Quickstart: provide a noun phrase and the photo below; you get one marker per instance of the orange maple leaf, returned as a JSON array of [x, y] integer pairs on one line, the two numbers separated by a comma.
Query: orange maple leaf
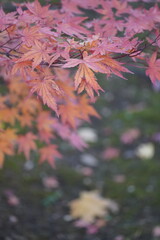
[[38, 53], [7, 140], [86, 109], [22, 67], [49, 153], [45, 126], [5, 148], [9, 115], [1, 159], [26, 143], [85, 79], [47, 89], [25, 120], [69, 113], [29, 106], [9, 135]]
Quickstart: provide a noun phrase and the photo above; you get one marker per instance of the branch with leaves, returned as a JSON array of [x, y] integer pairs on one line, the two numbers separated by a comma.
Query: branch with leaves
[[40, 46]]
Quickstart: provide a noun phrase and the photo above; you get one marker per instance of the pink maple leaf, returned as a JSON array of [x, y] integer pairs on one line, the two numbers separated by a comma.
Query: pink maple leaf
[[77, 141], [153, 70], [36, 9]]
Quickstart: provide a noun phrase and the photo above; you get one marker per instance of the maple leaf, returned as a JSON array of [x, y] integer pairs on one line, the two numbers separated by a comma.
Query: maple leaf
[[69, 113], [49, 153], [86, 109], [9, 135], [91, 205], [21, 67], [26, 120], [30, 34], [34, 38], [29, 106], [36, 9], [37, 53], [26, 143], [9, 115], [98, 63], [65, 132], [45, 126], [62, 130], [85, 78], [77, 141], [6, 19], [5, 148], [67, 89], [46, 89], [88, 60], [1, 159], [71, 26], [109, 66], [17, 89], [153, 70], [7, 140], [45, 121]]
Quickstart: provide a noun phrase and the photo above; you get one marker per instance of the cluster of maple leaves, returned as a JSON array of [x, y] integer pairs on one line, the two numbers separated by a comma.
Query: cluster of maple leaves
[[39, 46]]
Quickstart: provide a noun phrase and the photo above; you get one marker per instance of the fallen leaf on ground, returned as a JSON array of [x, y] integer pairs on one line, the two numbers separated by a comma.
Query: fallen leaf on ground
[[145, 151], [119, 237], [12, 199], [13, 219], [50, 182], [89, 160], [130, 135], [91, 205], [119, 178], [110, 153], [156, 137], [88, 134], [156, 231], [86, 171]]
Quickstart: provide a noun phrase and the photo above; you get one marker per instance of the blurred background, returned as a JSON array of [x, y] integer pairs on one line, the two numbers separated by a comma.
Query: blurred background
[[119, 173]]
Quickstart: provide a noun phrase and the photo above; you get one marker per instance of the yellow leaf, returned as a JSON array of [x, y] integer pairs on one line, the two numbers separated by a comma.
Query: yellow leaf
[[91, 205]]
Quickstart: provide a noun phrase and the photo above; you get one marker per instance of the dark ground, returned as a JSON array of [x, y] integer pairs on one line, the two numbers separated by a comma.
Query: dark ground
[[43, 214]]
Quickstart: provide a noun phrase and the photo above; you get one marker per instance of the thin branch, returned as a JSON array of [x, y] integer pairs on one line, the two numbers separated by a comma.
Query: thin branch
[[138, 51], [7, 54]]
